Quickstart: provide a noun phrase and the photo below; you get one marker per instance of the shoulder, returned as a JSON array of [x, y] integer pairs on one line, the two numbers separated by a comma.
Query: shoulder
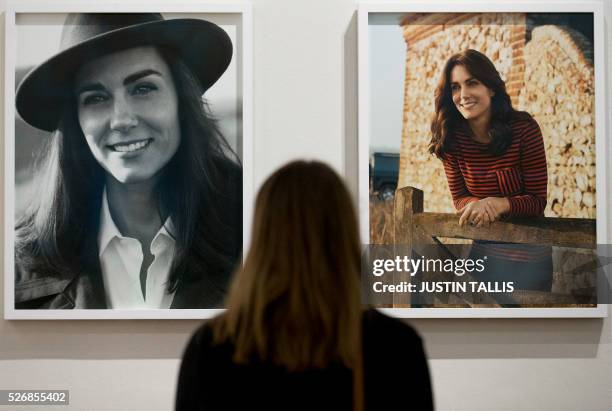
[[522, 123], [394, 362], [449, 157], [202, 343], [202, 337], [40, 285], [197, 345], [204, 359], [452, 144], [228, 168], [37, 289], [227, 179], [379, 327], [459, 142], [204, 376], [29, 272]]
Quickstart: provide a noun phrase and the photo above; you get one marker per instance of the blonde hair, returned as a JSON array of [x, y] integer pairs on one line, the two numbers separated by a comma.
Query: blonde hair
[[296, 301]]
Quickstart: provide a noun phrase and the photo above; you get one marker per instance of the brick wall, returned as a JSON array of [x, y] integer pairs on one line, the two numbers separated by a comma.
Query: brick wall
[[548, 72], [559, 93], [431, 39]]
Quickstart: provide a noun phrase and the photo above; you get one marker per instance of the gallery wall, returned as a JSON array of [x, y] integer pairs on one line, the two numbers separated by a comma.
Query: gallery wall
[[305, 71]]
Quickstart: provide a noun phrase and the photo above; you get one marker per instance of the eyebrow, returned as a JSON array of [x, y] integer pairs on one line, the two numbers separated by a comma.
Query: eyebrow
[[140, 74], [466, 80], [128, 80], [90, 87]]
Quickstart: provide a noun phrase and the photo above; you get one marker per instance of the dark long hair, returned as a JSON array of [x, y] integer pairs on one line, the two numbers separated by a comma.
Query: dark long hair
[[295, 302], [200, 190], [447, 118]]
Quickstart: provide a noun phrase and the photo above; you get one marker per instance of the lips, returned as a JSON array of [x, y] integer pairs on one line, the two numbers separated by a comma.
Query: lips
[[468, 105], [130, 146]]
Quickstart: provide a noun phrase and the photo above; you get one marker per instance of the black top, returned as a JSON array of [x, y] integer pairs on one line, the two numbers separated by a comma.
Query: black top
[[396, 376]]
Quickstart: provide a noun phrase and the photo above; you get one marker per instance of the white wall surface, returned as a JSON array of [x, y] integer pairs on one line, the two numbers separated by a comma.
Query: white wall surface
[[304, 99]]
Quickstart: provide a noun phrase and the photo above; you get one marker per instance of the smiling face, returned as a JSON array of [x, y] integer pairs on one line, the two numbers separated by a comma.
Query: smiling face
[[128, 111], [471, 97]]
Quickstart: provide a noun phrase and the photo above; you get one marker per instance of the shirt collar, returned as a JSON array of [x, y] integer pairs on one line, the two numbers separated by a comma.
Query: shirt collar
[[108, 230]]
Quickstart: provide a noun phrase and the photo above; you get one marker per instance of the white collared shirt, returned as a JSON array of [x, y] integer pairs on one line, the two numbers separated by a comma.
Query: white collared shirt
[[121, 259]]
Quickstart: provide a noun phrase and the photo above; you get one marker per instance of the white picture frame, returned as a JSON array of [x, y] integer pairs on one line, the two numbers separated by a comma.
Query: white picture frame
[[372, 12], [236, 83]]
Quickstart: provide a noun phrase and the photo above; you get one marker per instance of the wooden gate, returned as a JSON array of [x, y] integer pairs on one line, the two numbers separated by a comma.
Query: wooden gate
[[414, 227]]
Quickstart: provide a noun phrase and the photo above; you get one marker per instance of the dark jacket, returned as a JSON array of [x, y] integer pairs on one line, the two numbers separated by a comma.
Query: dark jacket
[[83, 288], [35, 290], [396, 376]]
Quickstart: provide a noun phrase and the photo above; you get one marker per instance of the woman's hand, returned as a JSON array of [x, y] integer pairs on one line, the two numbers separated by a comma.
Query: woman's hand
[[477, 213], [483, 212]]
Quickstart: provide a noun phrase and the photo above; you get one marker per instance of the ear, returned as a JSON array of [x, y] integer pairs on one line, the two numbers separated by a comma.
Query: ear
[[492, 93]]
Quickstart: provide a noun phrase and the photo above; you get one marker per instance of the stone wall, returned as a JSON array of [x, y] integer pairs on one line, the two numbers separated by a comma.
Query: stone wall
[[551, 76], [559, 93], [431, 39]]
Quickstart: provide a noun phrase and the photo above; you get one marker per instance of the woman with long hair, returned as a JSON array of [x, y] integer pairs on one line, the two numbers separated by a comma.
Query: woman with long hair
[[294, 335], [495, 164], [139, 203]]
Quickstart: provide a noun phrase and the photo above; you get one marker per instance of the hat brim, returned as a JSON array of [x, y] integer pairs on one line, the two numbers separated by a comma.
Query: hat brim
[[203, 46]]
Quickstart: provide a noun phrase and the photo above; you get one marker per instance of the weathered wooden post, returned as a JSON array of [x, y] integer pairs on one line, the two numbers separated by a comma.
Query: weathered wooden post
[[408, 203]]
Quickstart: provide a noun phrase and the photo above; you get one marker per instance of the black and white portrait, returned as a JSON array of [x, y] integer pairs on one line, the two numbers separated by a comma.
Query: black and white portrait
[[128, 172]]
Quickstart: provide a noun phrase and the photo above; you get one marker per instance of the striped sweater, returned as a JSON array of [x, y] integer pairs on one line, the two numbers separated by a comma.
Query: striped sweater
[[519, 174]]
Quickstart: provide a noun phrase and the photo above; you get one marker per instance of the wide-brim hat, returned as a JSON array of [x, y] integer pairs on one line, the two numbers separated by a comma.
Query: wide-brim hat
[[203, 46]]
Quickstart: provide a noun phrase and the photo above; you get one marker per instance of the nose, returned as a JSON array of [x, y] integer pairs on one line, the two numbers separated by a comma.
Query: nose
[[123, 117]]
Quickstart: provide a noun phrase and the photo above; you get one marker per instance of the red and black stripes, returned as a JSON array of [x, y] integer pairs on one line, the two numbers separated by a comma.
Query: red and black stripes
[[519, 174]]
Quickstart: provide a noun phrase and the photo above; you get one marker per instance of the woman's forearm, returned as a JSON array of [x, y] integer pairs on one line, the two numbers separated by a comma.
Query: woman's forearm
[[526, 205]]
